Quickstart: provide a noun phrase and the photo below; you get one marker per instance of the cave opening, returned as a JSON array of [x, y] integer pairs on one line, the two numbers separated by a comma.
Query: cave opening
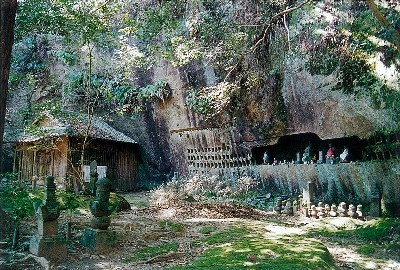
[[288, 146]]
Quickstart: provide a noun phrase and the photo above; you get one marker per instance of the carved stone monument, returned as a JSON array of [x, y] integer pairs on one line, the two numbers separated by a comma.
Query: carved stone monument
[[93, 177], [360, 212], [298, 158], [320, 157], [375, 205], [307, 155], [342, 209], [308, 192], [47, 243], [278, 206], [98, 238], [352, 211]]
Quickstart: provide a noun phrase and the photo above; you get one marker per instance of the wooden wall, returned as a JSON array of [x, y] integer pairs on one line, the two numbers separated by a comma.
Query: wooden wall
[[41, 159], [121, 160], [61, 157]]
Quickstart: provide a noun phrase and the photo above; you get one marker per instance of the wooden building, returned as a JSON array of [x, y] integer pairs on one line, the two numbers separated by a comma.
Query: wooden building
[[63, 146]]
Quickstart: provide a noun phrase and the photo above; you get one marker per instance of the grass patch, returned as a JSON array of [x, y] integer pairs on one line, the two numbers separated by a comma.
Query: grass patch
[[242, 247], [207, 229], [366, 249], [378, 231], [380, 235], [149, 252], [168, 225]]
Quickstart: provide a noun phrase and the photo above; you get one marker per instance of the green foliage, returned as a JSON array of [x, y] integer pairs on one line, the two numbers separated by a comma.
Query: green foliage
[[355, 75], [67, 57], [70, 201], [17, 200], [158, 91], [69, 18], [28, 58], [366, 249], [146, 253], [212, 101]]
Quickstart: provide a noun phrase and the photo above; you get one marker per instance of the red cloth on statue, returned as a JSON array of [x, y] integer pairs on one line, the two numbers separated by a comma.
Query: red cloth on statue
[[330, 152]]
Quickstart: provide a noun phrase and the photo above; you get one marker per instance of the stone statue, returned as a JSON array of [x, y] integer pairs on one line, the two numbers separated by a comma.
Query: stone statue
[[98, 238], [100, 207], [330, 155], [327, 208], [49, 209], [342, 209], [352, 211], [278, 206], [359, 212], [313, 211], [344, 157], [94, 175], [307, 155], [47, 243], [266, 158], [288, 208], [298, 158], [320, 157], [333, 212]]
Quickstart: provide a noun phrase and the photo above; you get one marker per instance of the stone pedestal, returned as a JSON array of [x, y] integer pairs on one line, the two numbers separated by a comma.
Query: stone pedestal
[[298, 158], [375, 206], [308, 192], [47, 243], [46, 228], [320, 157], [99, 241], [53, 248]]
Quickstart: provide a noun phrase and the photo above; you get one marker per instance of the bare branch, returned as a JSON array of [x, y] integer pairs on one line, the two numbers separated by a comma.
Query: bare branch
[[263, 35], [385, 22]]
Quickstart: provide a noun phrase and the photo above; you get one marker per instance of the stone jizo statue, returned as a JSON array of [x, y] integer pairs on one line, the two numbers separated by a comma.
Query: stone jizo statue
[[101, 207], [344, 157], [49, 209], [98, 238], [266, 158], [47, 242], [307, 155]]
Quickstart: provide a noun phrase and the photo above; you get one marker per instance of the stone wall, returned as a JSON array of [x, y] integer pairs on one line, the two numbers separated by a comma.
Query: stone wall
[[350, 182]]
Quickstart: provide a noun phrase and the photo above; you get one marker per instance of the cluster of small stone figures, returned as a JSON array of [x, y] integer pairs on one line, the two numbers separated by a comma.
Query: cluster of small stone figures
[[322, 211], [48, 243], [309, 158], [319, 211]]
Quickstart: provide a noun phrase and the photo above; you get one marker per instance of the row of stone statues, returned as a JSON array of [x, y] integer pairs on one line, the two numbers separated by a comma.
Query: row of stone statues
[[320, 211], [51, 245], [309, 158]]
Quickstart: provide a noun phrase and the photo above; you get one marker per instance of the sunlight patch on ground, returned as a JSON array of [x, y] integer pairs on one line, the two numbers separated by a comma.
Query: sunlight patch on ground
[[281, 230], [200, 220], [167, 213], [108, 266], [349, 256], [337, 223]]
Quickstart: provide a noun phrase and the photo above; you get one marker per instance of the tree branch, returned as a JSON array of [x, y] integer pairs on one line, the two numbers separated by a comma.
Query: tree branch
[[385, 22], [263, 35]]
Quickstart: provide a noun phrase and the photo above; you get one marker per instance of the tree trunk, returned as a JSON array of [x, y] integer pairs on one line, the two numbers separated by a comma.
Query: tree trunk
[[7, 21], [384, 21], [15, 236]]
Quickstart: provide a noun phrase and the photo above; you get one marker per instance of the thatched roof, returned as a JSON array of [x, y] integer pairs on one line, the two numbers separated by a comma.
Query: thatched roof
[[72, 124]]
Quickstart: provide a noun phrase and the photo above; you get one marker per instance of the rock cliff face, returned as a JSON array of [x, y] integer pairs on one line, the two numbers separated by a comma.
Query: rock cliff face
[[284, 98], [174, 138]]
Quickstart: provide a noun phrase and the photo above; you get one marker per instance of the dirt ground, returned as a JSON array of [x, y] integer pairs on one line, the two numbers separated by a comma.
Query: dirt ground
[[144, 226]]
